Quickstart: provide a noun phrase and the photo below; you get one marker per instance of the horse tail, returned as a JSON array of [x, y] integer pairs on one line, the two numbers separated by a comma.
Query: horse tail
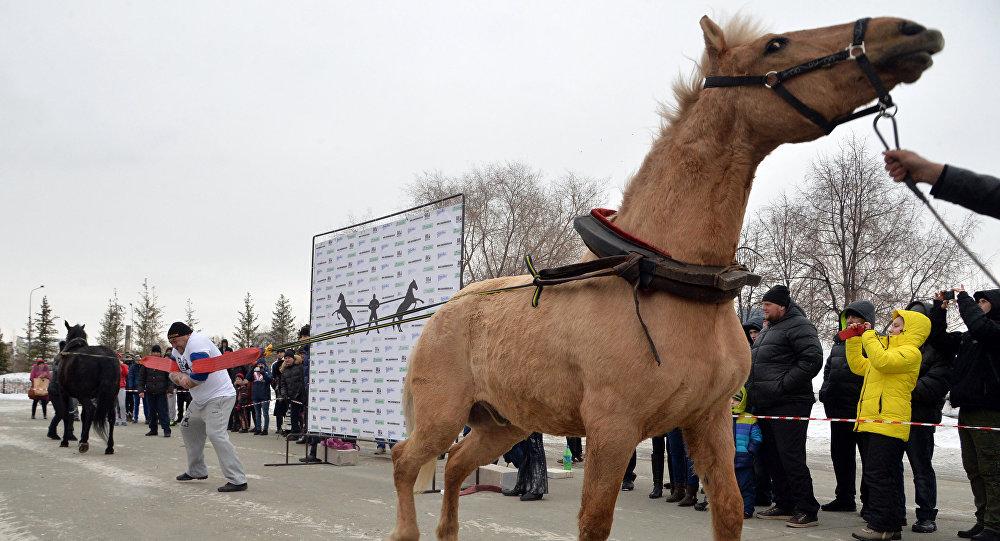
[[426, 473], [107, 397]]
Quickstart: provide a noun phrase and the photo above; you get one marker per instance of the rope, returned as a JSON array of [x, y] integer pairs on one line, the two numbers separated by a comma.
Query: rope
[[883, 112], [876, 421]]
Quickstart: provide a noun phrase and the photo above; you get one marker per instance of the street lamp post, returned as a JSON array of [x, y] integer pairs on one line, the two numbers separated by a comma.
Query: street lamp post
[[27, 353]]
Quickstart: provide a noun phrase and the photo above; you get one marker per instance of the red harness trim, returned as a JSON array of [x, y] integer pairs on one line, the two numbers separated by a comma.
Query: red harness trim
[[602, 216]]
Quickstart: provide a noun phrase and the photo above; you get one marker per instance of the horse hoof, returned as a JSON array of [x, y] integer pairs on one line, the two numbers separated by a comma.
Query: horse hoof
[[109, 451], [84, 447], [64, 444]]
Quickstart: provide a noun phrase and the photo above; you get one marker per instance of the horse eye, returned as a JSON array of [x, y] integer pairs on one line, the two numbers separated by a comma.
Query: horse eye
[[775, 45]]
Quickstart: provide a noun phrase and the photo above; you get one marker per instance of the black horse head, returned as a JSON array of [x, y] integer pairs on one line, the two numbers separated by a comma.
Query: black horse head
[[75, 332]]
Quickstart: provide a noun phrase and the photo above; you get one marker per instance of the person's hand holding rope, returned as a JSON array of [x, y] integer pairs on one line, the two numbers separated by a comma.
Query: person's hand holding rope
[[900, 162]]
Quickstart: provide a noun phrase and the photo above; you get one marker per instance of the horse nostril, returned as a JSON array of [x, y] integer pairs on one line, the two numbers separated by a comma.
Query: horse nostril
[[909, 28]]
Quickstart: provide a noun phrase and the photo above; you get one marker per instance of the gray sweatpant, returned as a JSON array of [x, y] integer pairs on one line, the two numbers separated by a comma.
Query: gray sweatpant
[[211, 419]]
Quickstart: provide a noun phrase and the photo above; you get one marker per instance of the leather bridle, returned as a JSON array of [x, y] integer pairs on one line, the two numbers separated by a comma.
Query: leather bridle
[[774, 79]]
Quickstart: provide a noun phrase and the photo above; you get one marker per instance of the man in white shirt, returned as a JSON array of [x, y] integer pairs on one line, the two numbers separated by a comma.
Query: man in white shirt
[[212, 399]]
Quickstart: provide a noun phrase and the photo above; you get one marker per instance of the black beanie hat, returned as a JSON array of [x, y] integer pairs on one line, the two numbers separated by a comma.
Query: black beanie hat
[[304, 331], [778, 295], [155, 349], [289, 352], [178, 329]]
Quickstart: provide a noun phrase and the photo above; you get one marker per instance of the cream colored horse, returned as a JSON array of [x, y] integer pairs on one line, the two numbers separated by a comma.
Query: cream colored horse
[[579, 364]]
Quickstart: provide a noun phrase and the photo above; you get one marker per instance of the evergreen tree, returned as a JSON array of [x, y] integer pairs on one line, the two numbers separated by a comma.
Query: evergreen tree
[[189, 318], [45, 345], [246, 329], [5, 355], [282, 322], [149, 318], [112, 333]]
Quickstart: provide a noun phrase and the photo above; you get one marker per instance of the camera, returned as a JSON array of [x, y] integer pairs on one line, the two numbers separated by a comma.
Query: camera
[[948, 295]]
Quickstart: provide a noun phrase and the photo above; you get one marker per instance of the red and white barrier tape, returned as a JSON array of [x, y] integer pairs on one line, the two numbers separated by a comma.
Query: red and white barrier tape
[[831, 419]]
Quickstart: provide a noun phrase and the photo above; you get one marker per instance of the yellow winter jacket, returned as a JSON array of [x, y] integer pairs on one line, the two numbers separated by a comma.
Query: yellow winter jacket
[[890, 370]]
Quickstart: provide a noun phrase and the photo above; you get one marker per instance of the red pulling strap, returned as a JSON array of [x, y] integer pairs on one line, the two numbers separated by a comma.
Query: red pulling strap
[[602, 216], [231, 359]]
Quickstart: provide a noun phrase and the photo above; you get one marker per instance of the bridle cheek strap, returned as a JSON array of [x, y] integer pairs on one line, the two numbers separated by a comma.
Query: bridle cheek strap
[[774, 79]]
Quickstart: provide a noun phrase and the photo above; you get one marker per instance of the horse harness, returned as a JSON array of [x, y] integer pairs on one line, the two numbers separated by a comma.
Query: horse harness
[[644, 266], [774, 79]]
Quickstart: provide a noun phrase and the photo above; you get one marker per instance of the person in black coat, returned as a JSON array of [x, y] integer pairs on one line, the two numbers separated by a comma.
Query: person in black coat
[[975, 389], [840, 393], [927, 400], [978, 193], [785, 358], [59, 414], [154, 386], [532, 475]]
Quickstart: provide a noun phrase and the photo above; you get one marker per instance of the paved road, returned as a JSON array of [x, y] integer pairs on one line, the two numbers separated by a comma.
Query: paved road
[[47, 492]]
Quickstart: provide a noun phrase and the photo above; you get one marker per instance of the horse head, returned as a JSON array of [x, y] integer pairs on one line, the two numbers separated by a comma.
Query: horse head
[[898, 51], [75, 332], [341, 300], [412, 287]]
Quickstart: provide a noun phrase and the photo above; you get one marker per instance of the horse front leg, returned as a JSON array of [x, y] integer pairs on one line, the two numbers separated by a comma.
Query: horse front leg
[[609, 448], [110, 449], [710, 443]]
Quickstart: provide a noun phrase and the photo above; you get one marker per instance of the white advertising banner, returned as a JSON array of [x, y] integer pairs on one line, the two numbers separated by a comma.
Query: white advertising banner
[[361, 274]]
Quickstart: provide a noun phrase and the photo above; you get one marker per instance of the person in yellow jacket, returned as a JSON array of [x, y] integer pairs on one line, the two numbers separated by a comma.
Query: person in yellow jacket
[[890, 366]]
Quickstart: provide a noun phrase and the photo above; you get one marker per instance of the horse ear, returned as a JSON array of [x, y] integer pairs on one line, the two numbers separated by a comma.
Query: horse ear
[[715, 42], [66, 323]]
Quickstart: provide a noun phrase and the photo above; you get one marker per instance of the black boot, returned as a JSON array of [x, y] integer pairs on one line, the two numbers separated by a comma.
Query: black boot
[[657, 480]]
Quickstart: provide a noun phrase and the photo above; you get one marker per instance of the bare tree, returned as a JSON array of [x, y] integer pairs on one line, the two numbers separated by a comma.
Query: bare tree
[[510, 212], [851, 233]]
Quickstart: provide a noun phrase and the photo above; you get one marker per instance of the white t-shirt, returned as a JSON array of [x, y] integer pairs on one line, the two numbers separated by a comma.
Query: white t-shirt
[[218, 383]]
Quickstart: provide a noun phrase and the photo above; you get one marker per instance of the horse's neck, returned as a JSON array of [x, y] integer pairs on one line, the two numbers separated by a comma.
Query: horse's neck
[[690, 194]]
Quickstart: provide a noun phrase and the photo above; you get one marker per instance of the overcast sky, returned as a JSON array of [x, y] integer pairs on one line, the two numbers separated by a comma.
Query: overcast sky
[[202, 144]]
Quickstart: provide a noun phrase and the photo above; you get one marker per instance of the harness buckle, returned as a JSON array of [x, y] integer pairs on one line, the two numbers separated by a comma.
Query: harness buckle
[[855, 46], [767, 79]]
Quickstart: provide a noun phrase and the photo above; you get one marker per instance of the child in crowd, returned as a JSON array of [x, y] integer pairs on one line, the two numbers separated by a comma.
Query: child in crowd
[[890, 366], [747, 436], [242, 404]]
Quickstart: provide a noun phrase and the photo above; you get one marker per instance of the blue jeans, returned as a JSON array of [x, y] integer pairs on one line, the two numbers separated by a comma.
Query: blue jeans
[[261, 409], [682, 465]]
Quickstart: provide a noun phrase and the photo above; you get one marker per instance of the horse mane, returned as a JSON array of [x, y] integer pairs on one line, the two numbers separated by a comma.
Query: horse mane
[[739, 29]]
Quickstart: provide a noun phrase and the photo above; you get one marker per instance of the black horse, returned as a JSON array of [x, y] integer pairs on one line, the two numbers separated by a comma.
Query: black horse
[[409, 301], [91, 374]]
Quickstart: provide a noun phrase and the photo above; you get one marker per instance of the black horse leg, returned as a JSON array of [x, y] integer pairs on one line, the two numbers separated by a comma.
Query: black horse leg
[[110, 449], [66, 400], [88, 417]]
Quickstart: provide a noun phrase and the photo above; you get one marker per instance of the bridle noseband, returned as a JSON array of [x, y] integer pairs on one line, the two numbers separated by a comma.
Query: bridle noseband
[[774, 79]]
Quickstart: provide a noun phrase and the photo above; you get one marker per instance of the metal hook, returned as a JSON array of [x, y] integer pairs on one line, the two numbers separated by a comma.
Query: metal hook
[[895, 130]]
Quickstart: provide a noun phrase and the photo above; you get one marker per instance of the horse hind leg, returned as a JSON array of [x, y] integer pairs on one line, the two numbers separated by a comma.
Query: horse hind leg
[[710, 444], [110, 449], [432, 433], [483, 445], [87, 418]]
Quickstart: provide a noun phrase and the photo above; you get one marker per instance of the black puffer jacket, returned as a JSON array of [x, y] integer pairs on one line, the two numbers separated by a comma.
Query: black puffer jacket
[[841, 389], [784, 359], [976, 377], [293, 381], [980, 193], [934, 380], [154, 381]]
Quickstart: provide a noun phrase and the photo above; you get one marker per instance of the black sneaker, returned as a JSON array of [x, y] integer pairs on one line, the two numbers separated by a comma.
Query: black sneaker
[[975, 530], [166, 434], [924, 526], [151, 433], [802, 520], [776, 513], [229, 487], [628, 485], [839, 506], [185, 477], [309, 459]]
